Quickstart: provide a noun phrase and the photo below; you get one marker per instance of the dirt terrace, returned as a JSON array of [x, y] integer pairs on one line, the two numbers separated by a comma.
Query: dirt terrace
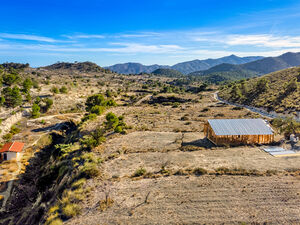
[[198, 200]]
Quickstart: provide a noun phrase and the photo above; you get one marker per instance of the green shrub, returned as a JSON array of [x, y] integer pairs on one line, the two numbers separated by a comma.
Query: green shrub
[[89, 170], [112, 121], [56, 221], [139, 172], [94, 100], [71, 210], [118, 129], [87, 117], [97, 109], [14, 130], [35, 111], [79, 183], [63, 90], [7, 137], [55, 90]]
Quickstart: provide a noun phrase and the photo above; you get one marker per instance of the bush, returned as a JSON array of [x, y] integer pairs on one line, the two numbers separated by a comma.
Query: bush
[[71, 210], [56, 221], [97, 109], [63, 90], [89, 170], [94, 100], [35, 110], [55, 90], [87, 117], [14, 130], [112, 121], [139, 172], [7, 137]]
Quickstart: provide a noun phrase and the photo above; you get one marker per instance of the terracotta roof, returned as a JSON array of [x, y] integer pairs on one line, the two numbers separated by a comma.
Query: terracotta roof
[[12, 147]]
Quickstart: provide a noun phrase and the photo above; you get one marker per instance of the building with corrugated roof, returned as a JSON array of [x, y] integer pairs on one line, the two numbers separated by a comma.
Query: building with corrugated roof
[[11, 150], [238, 131]]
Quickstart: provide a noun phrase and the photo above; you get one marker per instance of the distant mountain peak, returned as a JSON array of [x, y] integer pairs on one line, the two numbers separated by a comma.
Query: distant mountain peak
[[183, 67]]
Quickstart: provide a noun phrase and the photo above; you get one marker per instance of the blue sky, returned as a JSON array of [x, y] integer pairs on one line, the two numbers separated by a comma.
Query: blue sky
[[163, 32]]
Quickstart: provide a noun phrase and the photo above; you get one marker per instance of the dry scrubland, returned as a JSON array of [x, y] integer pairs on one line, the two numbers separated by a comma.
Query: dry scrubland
[[163, 171]]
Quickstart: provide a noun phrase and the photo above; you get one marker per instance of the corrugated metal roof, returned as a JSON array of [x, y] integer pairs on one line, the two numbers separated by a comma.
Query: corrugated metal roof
[[240, 127]]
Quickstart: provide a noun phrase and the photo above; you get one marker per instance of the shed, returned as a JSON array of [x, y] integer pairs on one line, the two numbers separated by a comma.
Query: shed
[[238, 131], [11, 150]]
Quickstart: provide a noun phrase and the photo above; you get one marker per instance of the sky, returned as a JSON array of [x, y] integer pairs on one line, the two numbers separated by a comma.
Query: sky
[[165, 32]]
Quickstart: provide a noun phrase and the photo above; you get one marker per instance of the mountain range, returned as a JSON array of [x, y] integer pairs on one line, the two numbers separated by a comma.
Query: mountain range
[[184, 67], [251, 69]]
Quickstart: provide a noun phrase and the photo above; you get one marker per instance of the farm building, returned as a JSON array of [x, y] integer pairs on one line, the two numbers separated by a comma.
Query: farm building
[[11, 150], [238, 131]]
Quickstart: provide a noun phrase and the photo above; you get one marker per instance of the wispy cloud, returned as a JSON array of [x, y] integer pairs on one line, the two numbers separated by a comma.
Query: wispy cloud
[[138, 35], [85, 36], [27, 37], [121, 48], [265, 40]]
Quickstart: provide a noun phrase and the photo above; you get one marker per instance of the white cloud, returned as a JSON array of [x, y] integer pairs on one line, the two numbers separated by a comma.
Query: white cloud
[[27, 37], [264, 40], [86, 36], [126, 48]]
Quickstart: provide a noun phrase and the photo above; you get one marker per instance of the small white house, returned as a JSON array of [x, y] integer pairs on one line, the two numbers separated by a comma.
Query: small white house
[[11, 150]]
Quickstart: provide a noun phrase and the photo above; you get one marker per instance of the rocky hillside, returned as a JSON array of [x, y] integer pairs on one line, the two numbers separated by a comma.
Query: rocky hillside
[[224, 72], [134, 68], [78, 66], [167, 72], [278, 91], [230, 72], [271, 64], [184, 67], [196, 65]]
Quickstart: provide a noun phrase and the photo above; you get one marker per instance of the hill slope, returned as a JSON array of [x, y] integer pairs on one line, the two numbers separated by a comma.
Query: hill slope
[[278, 91], [196, 65], [184, 67], [80, 66], [134, 68], [230, 72], [167, 72], [271, 64], [224, 72]]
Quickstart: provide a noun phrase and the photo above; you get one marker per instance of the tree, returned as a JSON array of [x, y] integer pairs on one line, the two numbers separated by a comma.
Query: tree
[[286, 126], [112, 121], [27, 85], [97, 109], [12, 96], [262, 85], [28, 97], [10, 78], [49, 103], [35, 110], [291, 86], [94, 100], [236, 93]]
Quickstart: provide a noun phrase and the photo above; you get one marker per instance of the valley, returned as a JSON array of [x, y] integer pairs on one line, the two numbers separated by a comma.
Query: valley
[[148, 162]]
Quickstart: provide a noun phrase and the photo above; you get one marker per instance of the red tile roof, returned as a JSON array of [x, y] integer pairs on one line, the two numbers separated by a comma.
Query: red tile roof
[[12, 147]]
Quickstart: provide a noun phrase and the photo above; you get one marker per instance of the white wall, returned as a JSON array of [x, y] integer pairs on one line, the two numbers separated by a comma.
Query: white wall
[[12, 155]]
